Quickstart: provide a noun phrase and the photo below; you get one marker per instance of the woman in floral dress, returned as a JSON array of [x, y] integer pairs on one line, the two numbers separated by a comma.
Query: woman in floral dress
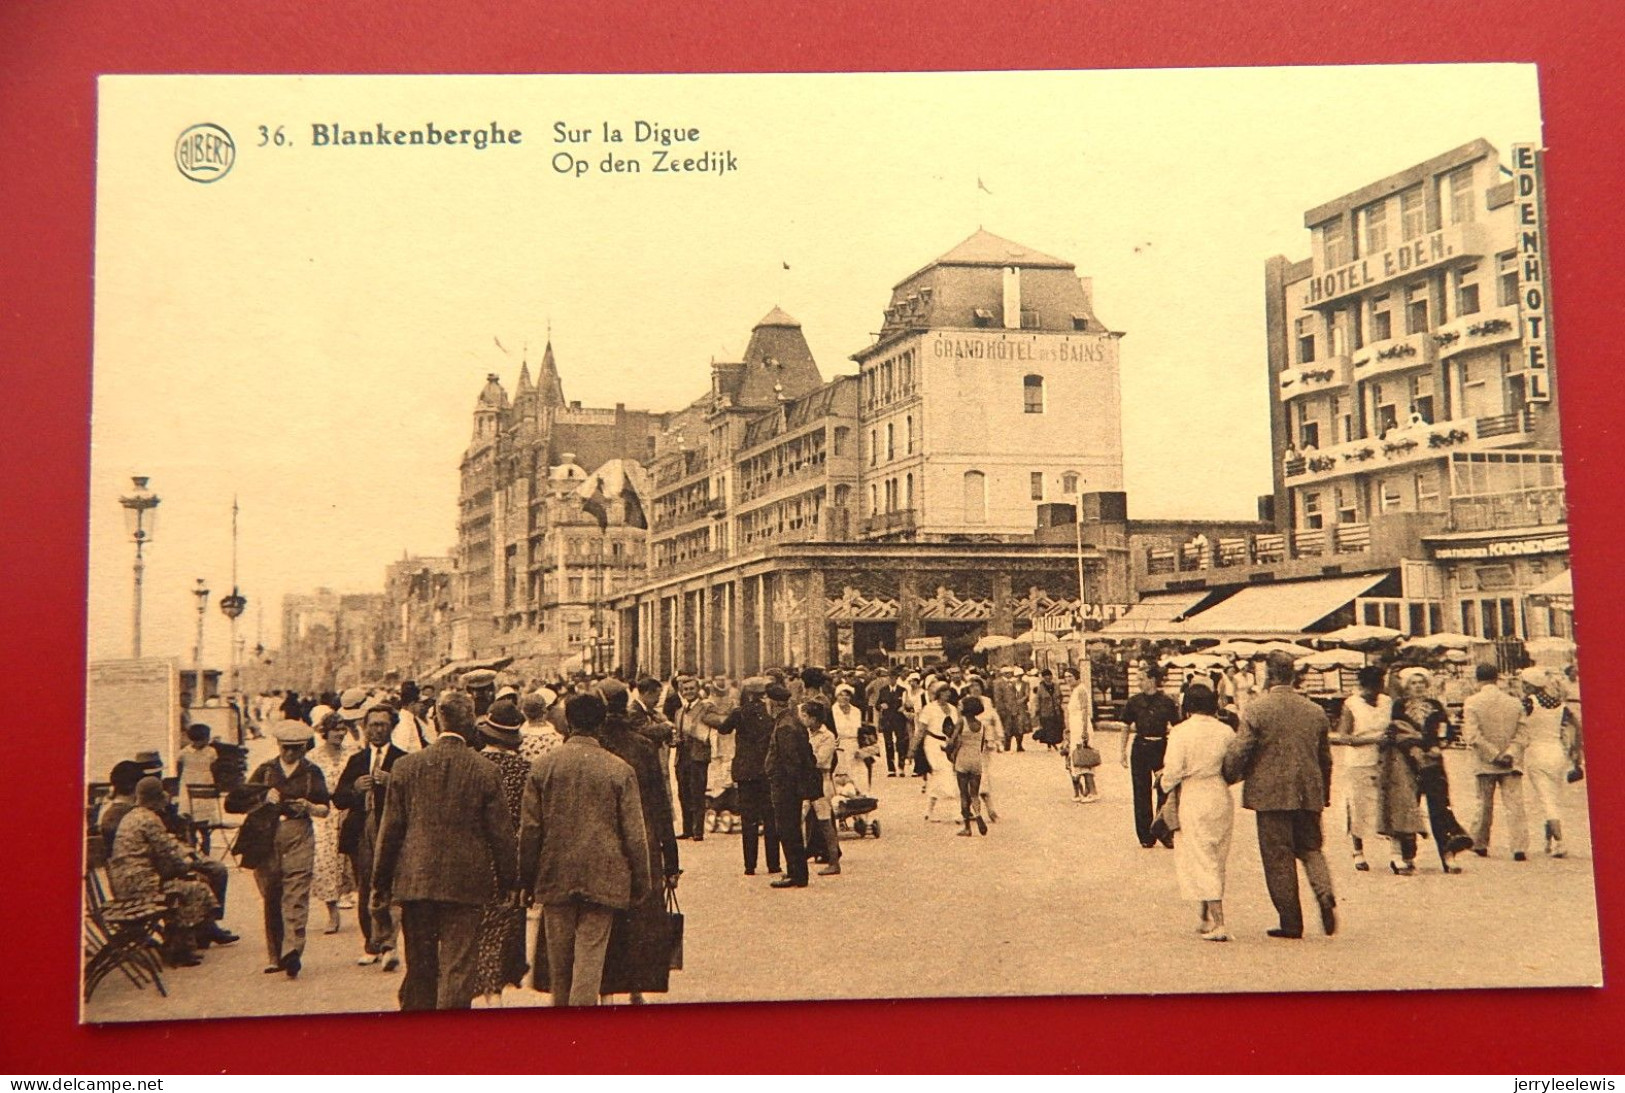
[[328, 875], [500, 959]]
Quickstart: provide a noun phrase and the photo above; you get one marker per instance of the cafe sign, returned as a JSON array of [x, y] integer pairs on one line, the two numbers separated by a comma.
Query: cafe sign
[[1504, 548]]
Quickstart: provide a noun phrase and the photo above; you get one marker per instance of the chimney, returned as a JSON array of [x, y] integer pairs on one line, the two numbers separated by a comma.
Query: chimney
[[1012, 298]]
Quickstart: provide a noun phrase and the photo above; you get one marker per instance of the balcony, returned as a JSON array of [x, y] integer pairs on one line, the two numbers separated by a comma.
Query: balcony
[[1309, 379], [1476, 331], [1397, 447], [1504, 430], [1395, 355], [887, 523]]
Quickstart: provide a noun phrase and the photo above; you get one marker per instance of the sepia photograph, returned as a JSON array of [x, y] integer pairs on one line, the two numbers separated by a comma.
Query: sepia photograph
[[560, 541]]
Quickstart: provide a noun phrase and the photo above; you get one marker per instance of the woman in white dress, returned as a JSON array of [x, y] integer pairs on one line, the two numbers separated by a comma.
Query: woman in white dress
[[1193, 763], [931, 730], [1553, 750], [1361, 729], [848, 720], [328, 874]]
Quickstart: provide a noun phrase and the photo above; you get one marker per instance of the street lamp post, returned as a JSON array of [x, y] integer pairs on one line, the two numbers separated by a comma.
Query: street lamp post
[[202, 594], [141, 517], [232, 606]]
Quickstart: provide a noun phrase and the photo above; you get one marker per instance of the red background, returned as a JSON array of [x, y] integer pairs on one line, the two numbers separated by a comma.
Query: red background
[[50, 54]]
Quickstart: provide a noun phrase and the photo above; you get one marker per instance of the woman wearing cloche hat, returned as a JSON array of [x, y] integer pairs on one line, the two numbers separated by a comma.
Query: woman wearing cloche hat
[[500, 944]]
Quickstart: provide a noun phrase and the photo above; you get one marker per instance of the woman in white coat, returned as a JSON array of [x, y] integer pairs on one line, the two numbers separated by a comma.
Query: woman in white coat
[[1194, 764], [931, 730]]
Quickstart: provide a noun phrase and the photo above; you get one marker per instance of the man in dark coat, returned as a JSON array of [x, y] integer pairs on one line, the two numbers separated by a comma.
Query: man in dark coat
[[1284, 754], [752, 727], [886, 699], [793, 778], [638, 955], [361, 790], [446, 829]]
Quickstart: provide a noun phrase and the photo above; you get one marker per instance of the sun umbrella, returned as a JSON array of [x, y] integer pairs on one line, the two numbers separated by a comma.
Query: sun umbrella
[[1286, 647], [1327, 659], [1243, 649], [1548, 645], [1196, 660], [993, 641], [1360, 637], [1440, 641]]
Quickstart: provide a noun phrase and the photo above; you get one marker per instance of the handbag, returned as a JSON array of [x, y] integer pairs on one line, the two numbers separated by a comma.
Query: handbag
[[674, 920], [256, 838], [1085, 757]]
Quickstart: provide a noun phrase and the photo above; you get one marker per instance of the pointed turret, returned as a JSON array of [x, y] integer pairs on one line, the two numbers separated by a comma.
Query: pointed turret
[[525, 384], [549, 385]]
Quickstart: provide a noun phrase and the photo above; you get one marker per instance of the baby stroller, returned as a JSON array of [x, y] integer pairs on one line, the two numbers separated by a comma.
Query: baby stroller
[[852, 809], [722, 810]]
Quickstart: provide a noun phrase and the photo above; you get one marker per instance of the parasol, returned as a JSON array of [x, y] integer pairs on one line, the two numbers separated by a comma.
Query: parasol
[[1365, 638], [1440, 641]]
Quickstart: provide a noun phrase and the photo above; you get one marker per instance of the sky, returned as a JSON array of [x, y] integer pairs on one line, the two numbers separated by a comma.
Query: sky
[[308, 333]]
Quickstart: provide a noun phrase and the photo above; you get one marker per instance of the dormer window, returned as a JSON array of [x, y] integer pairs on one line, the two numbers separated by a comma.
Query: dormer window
[[1080, 322], [983, 317]]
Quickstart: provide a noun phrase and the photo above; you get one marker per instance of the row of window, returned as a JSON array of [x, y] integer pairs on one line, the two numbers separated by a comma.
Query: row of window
[[1361, 323], [1371, 234]]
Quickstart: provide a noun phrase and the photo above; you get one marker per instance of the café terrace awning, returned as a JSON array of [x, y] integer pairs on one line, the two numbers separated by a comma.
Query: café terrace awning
[[1155, 615], [1559, 591], [1290, 607], [457, 667]]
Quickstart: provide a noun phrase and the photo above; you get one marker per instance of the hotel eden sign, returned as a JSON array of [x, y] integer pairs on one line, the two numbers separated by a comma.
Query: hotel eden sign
[[1417, 254]]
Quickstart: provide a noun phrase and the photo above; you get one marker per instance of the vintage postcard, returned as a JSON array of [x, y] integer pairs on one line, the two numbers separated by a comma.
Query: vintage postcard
[[575, 540]]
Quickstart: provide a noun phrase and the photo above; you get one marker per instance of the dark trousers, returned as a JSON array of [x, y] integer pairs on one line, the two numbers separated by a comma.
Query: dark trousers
[[441, 941], [1144, 760], [1285, 838], [691, 794], [970, 793], [214, 874], [377, 925], [756, 812], [787, 806], [896, 738], [1435, 790]]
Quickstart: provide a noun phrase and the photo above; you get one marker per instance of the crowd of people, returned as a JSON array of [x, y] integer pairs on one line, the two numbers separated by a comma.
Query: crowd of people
[[447, 820]]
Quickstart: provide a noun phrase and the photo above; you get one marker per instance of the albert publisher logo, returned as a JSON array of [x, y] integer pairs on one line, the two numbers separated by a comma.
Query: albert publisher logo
[[205, 153]]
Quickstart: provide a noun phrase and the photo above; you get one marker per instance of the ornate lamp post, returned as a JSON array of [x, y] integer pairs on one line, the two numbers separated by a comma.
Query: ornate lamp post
[[232, 606], [202, 594], [141, 518]]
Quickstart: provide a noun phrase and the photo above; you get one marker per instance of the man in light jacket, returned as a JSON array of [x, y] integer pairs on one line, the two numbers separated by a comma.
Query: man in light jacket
[[583, 851], [1493, 730], [1284, 753]]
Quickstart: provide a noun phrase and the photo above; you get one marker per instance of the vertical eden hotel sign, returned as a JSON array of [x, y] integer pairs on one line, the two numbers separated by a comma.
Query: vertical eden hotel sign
[[1531, 229]]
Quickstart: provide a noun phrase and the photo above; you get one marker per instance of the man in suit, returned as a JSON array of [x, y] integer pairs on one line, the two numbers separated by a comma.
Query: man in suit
[[445, 830], [361, 790], [1284, 753], [792, 778], [1493, 730], [583, 850], [693, 758], [886, 699], [752, 727]]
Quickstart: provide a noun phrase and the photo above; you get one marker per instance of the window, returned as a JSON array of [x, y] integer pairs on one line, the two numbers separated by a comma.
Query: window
[[874, 501], [1032, 394], [575, 588], [1080, 322], [1416, 309], [908, 492], [1382, 323], [1507, 279], [1069, 483], [1334, 242], [1412, 213], [1029, 319], [1037, 481], [1376, 228], [1334, 406], [1347, 512], [842, 436], [1427, 491], [891, 442], [1422, 397], [1467, 290], [874, 447], [1458, 186], [982, 317], [1306, 340], [891, 495], [975, 497], [1312, 516], [1388, 496], [1309, 435], [1336, 335]]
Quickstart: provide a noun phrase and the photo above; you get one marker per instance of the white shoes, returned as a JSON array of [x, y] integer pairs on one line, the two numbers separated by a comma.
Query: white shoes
[[1088, 798]]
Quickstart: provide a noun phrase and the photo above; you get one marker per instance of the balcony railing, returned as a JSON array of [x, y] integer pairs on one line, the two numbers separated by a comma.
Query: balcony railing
[[1266, 548], [1269, 548], [1520, 421], [1396, 354], [1353, 538], [884, 522], [1477, 330], [1308, 379], [1308, 542]]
